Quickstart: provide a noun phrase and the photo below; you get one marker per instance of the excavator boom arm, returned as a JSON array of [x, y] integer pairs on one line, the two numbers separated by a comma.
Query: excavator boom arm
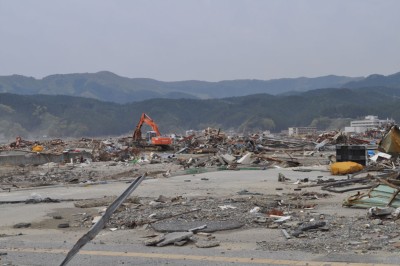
[[137, 134]]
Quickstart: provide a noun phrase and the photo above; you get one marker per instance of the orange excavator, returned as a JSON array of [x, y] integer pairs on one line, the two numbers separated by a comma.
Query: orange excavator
[[152, 137]]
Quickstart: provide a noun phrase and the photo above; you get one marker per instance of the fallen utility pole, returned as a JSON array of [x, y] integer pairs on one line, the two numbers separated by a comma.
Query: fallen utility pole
[[97, 227]]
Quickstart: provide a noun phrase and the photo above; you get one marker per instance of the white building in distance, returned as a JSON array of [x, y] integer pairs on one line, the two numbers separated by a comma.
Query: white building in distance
[[370, 122], [302, 131]]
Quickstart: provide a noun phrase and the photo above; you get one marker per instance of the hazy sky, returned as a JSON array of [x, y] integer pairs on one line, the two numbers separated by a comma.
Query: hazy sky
[[204, 40]]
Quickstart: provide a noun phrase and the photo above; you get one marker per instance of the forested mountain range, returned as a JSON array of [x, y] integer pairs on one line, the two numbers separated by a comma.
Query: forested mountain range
[[390, 81], [63, 116], [107, 86]]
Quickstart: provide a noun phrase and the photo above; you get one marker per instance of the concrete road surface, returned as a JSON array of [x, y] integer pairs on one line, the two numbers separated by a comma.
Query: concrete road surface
[[46, 245]]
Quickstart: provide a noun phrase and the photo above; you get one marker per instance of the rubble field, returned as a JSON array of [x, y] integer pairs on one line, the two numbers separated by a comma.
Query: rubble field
[[317, 211]]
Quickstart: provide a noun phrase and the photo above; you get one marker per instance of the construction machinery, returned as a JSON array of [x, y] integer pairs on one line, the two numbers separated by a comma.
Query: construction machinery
[[152, 137]]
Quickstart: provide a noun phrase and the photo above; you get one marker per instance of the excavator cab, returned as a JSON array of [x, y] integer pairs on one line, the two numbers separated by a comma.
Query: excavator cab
[[150, 135]]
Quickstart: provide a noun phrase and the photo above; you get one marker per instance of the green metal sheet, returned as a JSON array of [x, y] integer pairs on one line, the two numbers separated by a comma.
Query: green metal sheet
[[379, 196]]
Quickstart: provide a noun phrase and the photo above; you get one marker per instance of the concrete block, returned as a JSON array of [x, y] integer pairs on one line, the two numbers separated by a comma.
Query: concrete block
[[246, 159], [174, 237]]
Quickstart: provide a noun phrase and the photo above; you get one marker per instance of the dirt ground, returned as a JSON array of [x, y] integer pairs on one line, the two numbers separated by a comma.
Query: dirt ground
[[249, 197]]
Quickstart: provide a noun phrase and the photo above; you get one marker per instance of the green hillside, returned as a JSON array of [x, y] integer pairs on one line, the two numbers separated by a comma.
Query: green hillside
[[63, 116]]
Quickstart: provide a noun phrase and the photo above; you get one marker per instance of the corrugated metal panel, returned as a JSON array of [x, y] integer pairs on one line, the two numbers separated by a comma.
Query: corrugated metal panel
[[379, 196]]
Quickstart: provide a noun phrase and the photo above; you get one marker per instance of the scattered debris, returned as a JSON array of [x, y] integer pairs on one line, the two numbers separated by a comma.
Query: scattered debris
[[40, 200], [390, 141], [154, 240], [198, 228], [308, 226], [22, 225], [63, 225], [255, 210], [97, 227], [377, 212], [171, 238], [207, 243], [185, 220], [286, 234], [382, 195]]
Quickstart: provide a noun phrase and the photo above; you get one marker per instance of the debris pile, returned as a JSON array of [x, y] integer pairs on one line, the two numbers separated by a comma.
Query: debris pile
[[295, 217], [181, 214], [219, 149]]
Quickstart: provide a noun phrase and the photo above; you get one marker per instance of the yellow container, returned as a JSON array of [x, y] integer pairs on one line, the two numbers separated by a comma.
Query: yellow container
[[37, 148], [344, 168]]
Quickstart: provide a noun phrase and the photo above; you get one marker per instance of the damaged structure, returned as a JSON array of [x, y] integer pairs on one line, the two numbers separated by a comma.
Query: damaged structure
[[303, 191]]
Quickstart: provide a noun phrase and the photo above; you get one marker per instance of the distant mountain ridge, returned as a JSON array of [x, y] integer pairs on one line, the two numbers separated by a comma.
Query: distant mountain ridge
[[107, 86], [69, 116], [390, 81]]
